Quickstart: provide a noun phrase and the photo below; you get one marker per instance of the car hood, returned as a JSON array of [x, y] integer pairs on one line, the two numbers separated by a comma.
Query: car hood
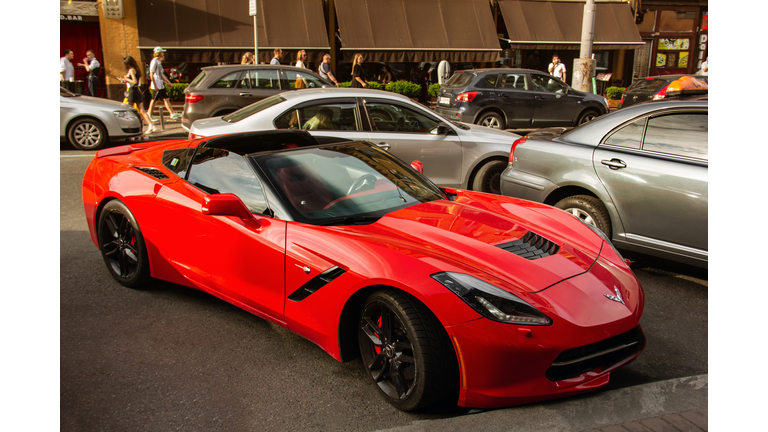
[[468, 233], [94, 102]]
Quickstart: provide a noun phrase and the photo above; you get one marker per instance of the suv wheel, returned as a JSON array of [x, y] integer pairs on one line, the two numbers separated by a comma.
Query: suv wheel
[[491, 120]]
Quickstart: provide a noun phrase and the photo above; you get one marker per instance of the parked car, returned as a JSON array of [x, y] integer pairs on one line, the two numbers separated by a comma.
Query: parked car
[[454, 154], [516, 98], [662, 87], [639, 174], [220, 90], [88, 123], [448, 296]]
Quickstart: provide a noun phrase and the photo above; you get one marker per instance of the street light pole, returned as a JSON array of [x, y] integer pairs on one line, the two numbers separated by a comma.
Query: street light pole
[[252, 6], [584, 66]]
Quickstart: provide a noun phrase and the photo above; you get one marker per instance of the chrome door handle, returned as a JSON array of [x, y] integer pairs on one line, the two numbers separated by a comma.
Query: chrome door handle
[[614, 164], [383, 145], [245, 94]]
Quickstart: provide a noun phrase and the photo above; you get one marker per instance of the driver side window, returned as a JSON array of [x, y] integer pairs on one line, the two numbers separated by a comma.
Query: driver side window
[[387, 117], [547, 83]]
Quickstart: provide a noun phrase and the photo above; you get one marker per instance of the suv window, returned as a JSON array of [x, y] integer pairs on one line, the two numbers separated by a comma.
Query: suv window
[[229, 81], [261, 79], [197, 79], [387, 117], [217, 171], [323, 116], [546, 83], [513, 82], [459, 79], [683, 134], [299, 80]]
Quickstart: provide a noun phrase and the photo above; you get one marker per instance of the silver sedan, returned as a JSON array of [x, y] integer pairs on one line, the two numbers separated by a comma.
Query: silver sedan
[[639, 174], [453, 154], [88, 122]]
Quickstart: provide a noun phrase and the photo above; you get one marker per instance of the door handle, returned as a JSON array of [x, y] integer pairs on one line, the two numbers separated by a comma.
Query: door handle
[[245, 94], [383, 145], [614, 164]]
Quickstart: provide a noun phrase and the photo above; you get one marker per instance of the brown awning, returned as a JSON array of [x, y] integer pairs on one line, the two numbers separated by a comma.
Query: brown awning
[[222, 30], [557, 25], [418, 30]]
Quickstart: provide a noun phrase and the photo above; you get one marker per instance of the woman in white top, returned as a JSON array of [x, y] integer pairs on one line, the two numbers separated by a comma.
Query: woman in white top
[[300, 57]]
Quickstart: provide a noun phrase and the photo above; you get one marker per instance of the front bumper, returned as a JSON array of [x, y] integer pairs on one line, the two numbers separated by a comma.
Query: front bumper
[[591, 336]]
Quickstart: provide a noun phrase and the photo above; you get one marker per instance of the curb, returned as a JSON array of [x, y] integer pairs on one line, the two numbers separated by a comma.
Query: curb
[[587, 412]]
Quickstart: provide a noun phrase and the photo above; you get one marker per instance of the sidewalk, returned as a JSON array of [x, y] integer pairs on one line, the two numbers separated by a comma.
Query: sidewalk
[[171, 129], [666, 406]]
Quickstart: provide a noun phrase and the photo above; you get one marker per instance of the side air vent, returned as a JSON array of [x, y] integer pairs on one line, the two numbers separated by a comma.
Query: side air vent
[[532, 246], [154, 172]]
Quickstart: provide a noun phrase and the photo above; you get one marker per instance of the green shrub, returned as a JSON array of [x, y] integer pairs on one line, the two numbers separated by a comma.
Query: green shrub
[[433, 89], [406, 88], [346, 84], [614, 92], [371, 85]]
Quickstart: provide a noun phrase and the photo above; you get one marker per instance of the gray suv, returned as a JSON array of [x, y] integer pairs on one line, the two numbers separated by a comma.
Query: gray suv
[[220, 90], [639, 174]]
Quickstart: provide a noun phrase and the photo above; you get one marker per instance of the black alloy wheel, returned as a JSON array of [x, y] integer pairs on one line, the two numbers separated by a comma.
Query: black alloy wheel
[[406, 351], [488, 177], [122, 245]]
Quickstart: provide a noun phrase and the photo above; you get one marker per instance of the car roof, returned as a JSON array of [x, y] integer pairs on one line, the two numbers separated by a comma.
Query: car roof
[[330, 92], [670, 77], [252, 66], [499, 70]]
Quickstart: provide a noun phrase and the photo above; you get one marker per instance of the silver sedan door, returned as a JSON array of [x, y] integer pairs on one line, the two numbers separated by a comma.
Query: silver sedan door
[[410, 133], [656, 172]]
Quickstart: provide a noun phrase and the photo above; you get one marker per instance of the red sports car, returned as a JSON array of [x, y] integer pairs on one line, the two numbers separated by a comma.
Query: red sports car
[[447, 295]]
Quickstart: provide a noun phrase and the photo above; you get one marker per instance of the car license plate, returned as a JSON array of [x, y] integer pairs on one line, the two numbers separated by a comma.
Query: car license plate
[[445, 101]]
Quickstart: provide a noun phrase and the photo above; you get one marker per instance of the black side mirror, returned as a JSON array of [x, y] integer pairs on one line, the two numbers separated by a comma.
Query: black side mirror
[[443, 129]]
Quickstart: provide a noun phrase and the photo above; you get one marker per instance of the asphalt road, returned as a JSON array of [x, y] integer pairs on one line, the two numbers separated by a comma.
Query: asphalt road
[[170, 358]]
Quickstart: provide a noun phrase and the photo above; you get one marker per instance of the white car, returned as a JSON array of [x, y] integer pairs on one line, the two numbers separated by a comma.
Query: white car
[[453, 154], [89, 123]]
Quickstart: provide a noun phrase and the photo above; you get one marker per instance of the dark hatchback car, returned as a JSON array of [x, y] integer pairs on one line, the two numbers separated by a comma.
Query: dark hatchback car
[[657, 88], [220, 90], [516, 98]]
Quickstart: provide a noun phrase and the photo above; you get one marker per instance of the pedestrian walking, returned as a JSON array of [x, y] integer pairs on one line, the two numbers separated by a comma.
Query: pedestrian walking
[[278, 55], [66, 70], [325, 70], [423, 80], [443, 72], [248, 58], [557, 69], [301, 56], [133, 95], [91, 66], [358, 73], [158, 81]]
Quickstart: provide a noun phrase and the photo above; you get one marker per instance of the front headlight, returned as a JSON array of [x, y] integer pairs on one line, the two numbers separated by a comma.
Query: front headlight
[[124, 114], [490, 301]]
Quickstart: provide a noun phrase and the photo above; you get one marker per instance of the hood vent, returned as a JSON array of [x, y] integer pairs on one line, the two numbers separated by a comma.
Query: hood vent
[[531, 246], [154, 172]]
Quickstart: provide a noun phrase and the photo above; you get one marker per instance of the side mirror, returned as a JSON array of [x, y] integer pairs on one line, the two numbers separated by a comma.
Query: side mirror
[[443, 129], [418, 166], [226, 204]]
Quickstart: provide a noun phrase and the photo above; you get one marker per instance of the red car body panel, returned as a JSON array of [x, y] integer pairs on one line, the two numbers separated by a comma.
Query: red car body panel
[[258, 264]]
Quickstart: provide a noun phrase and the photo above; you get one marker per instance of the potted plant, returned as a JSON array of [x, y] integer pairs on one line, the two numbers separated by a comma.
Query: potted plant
[[403, 87], [614, 95]]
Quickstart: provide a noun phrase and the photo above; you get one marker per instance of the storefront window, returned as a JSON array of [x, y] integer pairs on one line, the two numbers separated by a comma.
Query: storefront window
[[649, 19], [673, 21]]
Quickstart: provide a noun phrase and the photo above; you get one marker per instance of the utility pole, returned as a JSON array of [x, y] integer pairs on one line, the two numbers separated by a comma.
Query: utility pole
[[584, 66], [252, 11]]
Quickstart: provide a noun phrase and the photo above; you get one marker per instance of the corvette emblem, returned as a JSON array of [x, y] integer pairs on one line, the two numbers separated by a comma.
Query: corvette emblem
[[617, 297]]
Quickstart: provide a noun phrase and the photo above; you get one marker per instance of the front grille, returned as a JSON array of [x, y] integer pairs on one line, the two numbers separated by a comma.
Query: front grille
[[154, 172], [531, 246], [576, 361]]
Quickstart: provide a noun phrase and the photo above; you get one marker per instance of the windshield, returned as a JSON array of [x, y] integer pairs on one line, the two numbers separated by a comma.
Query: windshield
[[66, 93], [344, 184], [253, 109]]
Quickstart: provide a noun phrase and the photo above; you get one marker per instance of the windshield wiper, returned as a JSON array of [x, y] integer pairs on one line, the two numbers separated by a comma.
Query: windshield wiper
[[350, 220]]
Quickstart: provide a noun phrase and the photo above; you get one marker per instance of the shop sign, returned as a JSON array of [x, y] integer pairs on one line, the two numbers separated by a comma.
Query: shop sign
[[70, 18]]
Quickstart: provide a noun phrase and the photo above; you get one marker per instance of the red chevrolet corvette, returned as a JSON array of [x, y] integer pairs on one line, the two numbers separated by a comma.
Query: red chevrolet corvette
[[447, 295]]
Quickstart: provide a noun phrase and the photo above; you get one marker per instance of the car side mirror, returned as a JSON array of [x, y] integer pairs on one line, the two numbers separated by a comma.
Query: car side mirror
[[418, 166], [443, 129], [226, 204]]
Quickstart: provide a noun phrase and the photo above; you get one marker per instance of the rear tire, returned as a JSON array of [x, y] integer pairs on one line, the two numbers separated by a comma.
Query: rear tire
[[488, 177], [406, 351], [491, 120], [589, 209]]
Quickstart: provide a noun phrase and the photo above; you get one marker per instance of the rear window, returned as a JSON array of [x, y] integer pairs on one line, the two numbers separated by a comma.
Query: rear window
[[459, 79], [197, 79], [648, 85], [253, 109]]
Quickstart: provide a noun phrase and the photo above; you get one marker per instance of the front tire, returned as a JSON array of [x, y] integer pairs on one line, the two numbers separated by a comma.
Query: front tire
[[87, 134], [122, 245], [488, 177], [491, 120], [587, 116], [589, 209], [406, 351]]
